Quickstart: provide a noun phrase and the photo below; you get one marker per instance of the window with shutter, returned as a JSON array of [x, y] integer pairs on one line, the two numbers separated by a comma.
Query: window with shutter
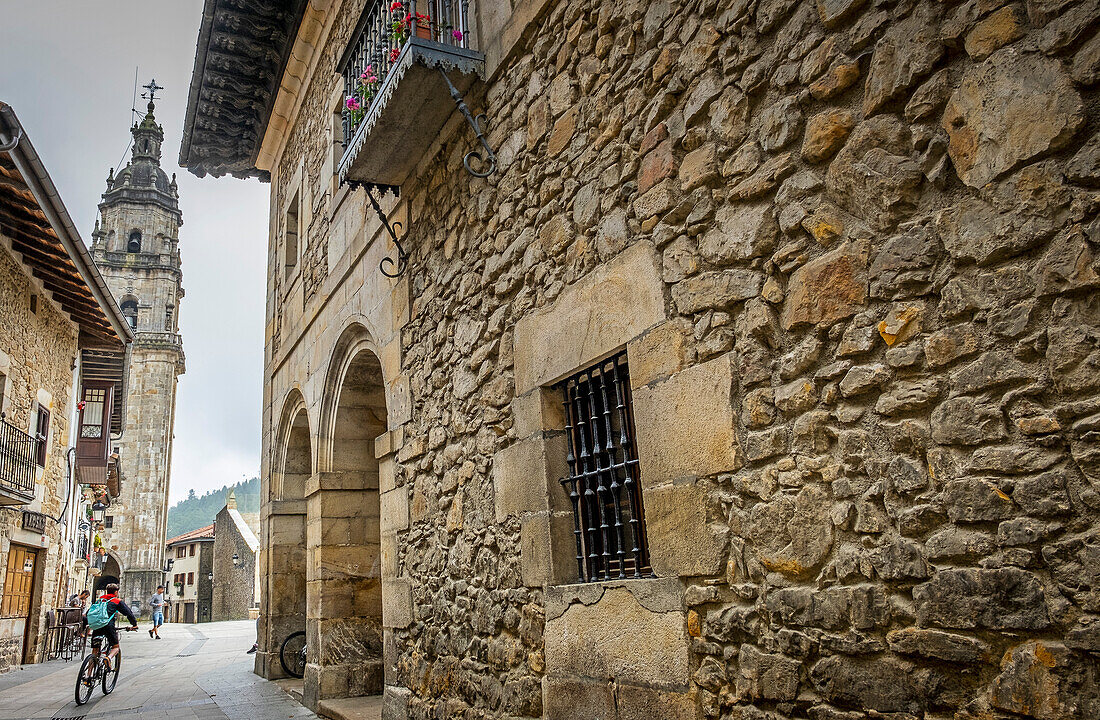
[[42, 435]]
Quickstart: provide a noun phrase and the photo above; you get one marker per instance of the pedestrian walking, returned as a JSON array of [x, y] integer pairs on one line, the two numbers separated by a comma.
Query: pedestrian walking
[[157, 603]]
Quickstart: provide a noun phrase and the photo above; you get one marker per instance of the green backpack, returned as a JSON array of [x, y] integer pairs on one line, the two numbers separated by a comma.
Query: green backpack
[[99, 615]]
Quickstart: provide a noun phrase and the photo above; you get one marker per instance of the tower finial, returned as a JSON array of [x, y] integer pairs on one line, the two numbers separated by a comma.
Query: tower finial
[[151, 92]]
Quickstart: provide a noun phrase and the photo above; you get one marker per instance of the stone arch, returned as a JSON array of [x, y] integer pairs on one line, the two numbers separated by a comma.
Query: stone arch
[[293, 462], [283, 555], [111, 572], [344, 627]]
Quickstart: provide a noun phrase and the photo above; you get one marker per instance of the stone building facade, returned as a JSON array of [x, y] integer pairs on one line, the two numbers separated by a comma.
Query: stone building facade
[[136, 246], [55, 314], [849, 249], [235, 566]]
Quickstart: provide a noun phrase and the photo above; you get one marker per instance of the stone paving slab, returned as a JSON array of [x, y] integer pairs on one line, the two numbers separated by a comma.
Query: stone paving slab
[[197, 672]]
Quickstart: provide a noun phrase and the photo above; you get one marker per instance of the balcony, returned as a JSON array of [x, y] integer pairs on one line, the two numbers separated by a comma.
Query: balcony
[[18, 466], [406, 66]]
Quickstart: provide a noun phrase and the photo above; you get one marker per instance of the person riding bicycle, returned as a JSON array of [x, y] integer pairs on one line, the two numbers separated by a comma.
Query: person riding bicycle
[[115, 606]]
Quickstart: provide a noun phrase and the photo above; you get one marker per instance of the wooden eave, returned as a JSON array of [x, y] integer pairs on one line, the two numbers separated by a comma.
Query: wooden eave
[[41, 234], [242, 52]]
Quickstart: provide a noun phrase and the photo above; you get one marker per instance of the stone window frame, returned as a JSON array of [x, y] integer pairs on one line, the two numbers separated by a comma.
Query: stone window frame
[[683, 416]]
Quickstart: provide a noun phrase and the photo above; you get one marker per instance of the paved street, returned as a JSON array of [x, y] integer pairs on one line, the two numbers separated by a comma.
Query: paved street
[[195, 672]]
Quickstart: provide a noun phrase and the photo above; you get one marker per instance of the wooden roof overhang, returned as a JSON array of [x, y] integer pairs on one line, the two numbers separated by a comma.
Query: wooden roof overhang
[[42, 234], [241, 54]]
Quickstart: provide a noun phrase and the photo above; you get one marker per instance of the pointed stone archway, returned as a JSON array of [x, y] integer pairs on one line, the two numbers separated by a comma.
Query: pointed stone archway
[[283, 554], [344, 587]]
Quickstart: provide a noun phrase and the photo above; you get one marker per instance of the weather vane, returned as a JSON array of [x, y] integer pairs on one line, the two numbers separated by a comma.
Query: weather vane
[[152, 89]]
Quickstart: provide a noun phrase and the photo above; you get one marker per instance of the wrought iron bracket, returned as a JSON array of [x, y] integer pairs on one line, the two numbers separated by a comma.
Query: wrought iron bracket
[[402, 262], [489, 159]]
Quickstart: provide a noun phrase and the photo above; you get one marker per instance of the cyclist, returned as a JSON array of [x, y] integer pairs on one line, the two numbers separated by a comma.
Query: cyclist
[[115, 606]]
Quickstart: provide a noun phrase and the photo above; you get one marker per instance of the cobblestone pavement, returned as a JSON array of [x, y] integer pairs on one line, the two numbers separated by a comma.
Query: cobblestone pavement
[[197, 672]]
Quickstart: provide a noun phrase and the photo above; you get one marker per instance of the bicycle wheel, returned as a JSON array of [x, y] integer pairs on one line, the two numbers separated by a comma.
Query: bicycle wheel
[[110, 677], [85, 679], [291, 655]]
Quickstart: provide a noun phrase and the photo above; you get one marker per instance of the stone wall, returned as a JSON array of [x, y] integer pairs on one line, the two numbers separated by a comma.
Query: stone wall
[[849, 247], [234, 584]]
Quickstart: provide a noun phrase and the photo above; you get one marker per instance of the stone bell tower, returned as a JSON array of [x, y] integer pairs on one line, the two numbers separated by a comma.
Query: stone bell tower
[[136, 246]]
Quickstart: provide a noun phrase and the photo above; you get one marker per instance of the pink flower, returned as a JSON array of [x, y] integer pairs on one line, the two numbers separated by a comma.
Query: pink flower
[[353, 103], [368, 69], [457, 35]]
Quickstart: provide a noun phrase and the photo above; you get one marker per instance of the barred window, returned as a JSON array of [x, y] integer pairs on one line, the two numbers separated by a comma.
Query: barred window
[[603, 485]]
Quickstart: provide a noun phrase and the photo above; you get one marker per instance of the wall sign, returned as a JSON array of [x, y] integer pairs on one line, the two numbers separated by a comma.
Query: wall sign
[[35, 522]]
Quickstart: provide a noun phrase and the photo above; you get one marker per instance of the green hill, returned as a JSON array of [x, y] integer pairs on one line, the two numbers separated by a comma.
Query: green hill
[[199, 510]]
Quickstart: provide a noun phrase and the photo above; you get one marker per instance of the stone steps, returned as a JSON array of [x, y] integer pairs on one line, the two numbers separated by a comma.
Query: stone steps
[[357, 708]]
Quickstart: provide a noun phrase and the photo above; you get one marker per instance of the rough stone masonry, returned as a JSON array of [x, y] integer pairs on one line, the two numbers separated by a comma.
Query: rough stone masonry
[[850, 247], [883, 214]]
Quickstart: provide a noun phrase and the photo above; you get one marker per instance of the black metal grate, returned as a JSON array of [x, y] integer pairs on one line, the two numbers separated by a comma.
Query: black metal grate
[[19, 453], [603, 486]]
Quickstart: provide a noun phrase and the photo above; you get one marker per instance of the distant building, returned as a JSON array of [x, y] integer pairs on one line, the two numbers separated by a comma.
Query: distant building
[[191, 560], [235, 546], [62, 360], [136, 247]]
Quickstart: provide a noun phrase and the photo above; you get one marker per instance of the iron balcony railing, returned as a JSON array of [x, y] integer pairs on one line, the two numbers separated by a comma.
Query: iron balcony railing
[[18, 455], [383, 30]]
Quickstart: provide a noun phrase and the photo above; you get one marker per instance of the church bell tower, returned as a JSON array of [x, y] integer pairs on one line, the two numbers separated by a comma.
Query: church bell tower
[[136, 246]]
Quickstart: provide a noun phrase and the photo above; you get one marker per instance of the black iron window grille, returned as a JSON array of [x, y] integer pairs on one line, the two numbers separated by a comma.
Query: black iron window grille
[[603, 485], [19, 453], [376, 44]]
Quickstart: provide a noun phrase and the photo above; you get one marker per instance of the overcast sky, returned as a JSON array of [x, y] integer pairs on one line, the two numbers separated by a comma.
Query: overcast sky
[[67, 67]]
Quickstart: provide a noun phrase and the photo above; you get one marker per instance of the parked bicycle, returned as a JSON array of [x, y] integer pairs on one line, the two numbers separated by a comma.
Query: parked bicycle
[[95, 669], [292, 654]]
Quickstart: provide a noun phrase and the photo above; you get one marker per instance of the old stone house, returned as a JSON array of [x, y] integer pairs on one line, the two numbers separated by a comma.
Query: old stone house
[[235, 591], [190, 586], [748, 370], [62, 362]]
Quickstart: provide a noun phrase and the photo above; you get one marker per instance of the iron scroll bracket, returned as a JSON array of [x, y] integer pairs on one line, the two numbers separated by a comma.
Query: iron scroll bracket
[[393, 229], [489, 159]]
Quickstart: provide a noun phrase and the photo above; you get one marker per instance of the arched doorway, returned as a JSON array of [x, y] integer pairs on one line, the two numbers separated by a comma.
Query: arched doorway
[[343, 530], [283, 558], [109, 573]]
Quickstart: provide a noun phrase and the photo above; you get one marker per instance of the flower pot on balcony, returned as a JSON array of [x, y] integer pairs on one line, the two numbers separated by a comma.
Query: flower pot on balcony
[[423, 28]]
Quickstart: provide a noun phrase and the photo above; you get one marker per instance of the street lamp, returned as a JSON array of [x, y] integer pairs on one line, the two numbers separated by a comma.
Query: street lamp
[[210, 576], [99, 511], [236, 560]]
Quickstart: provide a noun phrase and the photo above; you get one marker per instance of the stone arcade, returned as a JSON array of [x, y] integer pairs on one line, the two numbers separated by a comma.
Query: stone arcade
[[849, 250], [136, 247]]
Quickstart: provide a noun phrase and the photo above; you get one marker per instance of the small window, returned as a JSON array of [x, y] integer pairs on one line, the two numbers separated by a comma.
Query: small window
[[130, 312], [181, 551], [603, 484], [290, 247], [109, 521], [34, 304], [42, 434], [190, 578], [3, 388], [168, 319], [192, 550], [134, 243], [91, 420]]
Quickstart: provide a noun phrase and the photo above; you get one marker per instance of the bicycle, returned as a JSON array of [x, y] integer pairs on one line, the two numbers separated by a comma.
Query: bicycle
[[94, 670], [292, 654]]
